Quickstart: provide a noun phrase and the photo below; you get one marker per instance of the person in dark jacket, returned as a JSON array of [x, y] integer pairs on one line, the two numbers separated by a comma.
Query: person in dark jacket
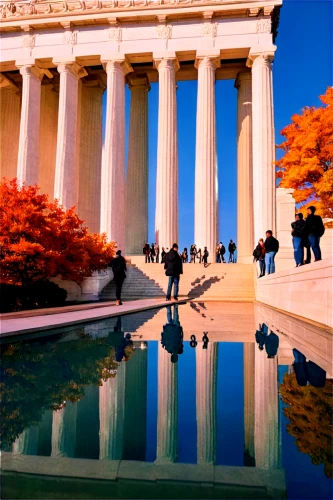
[[172, 335], [271, 249], [272, 345], [118, 266], [314, 230], [205, 256], [173, 269], [231, 248], [298, 237], [163, 254], [146, 253], [152, 253], [259, 256], [222, 252]]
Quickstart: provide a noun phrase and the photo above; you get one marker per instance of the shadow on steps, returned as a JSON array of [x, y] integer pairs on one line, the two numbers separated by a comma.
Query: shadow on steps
[[137, 285]]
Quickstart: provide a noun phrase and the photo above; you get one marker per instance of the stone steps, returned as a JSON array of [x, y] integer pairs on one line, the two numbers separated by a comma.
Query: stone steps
[[230, 282]]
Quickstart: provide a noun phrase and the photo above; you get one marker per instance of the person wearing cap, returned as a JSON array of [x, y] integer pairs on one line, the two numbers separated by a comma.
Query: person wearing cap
[[173, 266], [314, 230], [119, 274]]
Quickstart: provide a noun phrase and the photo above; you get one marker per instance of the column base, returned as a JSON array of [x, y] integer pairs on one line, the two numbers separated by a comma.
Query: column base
[[245, 260]]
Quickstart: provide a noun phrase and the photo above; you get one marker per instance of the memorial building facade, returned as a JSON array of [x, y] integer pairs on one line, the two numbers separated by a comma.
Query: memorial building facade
[[59, 57]]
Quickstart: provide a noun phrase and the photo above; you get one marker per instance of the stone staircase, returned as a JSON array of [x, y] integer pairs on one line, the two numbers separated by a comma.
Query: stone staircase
[[225, 282]]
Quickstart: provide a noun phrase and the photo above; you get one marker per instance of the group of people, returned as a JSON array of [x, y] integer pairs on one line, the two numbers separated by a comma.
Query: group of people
[[152, 253], [220, 252], [195, 253], [306, 234]]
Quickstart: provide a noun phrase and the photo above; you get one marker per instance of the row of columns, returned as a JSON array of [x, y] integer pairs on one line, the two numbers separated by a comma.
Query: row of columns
[[122, 411], [256, 181]]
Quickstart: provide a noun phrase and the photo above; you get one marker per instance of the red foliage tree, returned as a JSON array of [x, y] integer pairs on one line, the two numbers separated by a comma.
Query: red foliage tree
[[40, 239]]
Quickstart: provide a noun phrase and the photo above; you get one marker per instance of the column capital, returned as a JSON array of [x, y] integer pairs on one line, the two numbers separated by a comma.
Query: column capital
[[260, 54], [138, 82], [243, 76], [165, 59], [30, 67], [69, 65], [208, 57], [116, 61]]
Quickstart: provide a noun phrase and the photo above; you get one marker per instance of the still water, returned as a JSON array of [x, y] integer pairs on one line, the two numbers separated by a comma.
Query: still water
[[192, 401]]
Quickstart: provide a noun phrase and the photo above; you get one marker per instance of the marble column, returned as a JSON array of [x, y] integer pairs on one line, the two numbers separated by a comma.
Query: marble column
[[111, 415], [113, 167], [64, 431], [166, 215], [66, 178], [206, 186], [263, 142], [136, 405], [266, 427], [137, 168], [27, 442], [206, 371], [48, 138], [245, 231], [248, 363], [167, 413], [90, 153], [28, 150], [9, 127]]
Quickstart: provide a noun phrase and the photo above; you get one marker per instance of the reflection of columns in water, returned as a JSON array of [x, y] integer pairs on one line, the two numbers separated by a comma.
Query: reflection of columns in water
[[248, 350], [167, 415], [136, 406], [64, 431], [111, 415], [206, 371], [27, 442], [266, 430]]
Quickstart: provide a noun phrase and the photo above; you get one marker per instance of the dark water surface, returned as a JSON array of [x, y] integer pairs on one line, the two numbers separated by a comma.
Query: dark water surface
[[89, 413]]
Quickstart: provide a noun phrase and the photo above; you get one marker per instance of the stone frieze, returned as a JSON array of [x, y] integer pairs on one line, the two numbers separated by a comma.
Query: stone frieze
[[44, 8]]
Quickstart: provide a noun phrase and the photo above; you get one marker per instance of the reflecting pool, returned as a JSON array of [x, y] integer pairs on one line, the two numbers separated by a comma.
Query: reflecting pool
[[188, 401]]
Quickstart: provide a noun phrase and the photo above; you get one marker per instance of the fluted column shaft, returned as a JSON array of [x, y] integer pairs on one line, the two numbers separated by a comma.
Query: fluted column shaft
[[64, 431], [9, 129], [111, 415], [248, 353], [266, 418], [90, 154], [113, 168], [245, 242], [137, 169], [66, 182], [263, 144], [28, 150], [48, 139], [166, 216], [206, 187], [206, 371], [167, 414]]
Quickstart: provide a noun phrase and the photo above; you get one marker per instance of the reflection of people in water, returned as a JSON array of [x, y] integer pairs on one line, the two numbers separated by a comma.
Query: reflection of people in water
[[269, 340], [172, 335], [124, 342], [307, 371]]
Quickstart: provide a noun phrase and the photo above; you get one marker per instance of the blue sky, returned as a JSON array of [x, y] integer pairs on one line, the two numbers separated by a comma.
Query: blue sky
[[302, 71]]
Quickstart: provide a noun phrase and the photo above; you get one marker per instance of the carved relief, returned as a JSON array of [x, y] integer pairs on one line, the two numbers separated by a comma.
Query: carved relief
[[28, 41], [69, 38], [264, 25], [164, 31], [115, 33], [209, 30]]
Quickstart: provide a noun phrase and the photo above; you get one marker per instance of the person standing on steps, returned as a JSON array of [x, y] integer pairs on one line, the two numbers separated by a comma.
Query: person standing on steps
[[222, 252], [163, 254], [152, 253], [146, 252], [157, 251], [205, 256], [119, 269], [271, 249], [298, 237], [199, 255], [314, 230], [173, 269], [232, 247]]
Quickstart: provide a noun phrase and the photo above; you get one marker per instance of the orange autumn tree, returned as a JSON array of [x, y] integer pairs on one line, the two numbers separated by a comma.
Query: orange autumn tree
[[40, 239], [307, 164]]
